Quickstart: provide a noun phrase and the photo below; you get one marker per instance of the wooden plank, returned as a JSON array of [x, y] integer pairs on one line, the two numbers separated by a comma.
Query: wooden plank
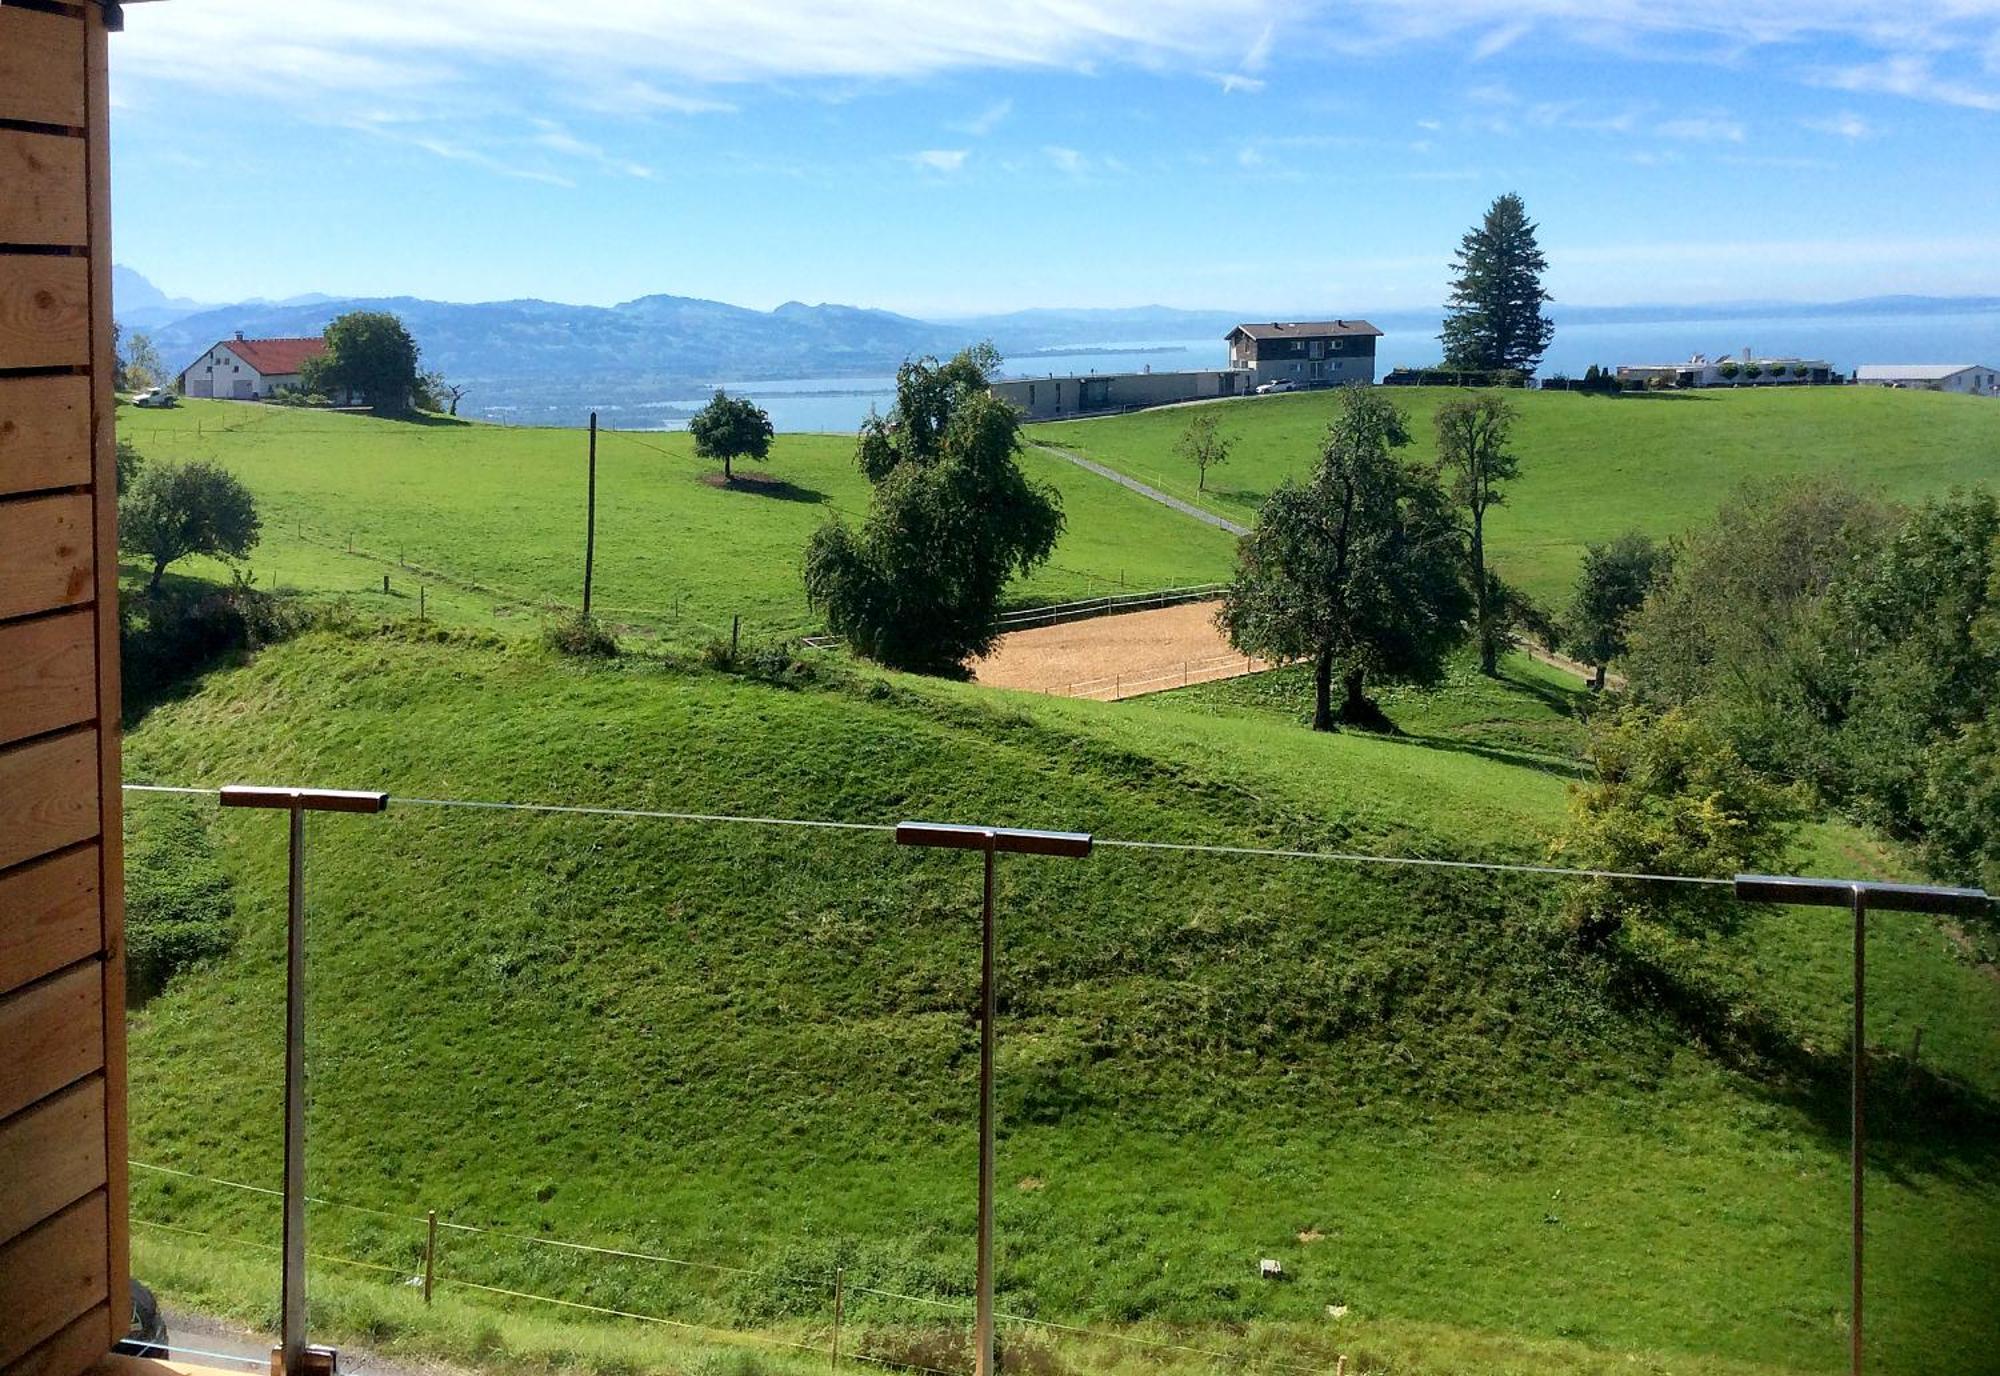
[[41, 67], [44, 177], [81, 1347], [48, 796], [44, 433], [52, 1275], [49, 916], [52, 1155], [44, 311], [111, 797], [48, 674], [46, 553], [54, 1035]]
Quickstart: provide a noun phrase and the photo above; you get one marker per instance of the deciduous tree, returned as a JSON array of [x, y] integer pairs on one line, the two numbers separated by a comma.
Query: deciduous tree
[[1359, 569], [1611, 586], [371, 353], [1472, 439], [731, 428], [1202, 445], [1495, 315], [175, 510], [951, 520]]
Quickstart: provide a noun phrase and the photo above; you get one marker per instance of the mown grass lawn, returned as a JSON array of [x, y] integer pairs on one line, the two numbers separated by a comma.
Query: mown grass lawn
[[1593, 467], [490, 520], [754, 1047]]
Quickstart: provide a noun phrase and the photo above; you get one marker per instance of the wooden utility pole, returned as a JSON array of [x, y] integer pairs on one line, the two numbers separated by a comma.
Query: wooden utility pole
[[590, 520]]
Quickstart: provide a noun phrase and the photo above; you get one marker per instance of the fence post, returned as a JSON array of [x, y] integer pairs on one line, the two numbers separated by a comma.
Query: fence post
[[293, 1357], [420, 602], [990, 841], [1857, 897], [430, 1254], [839, 1288], [385, 583], [735, 634]]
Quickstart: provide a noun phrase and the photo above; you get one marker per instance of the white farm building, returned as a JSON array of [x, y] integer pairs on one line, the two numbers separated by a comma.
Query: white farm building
[[1975, 378], [249, 369]]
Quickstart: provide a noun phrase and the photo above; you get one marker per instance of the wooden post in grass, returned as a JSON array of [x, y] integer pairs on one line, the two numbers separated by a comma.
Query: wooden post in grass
[[385, 585], [420, 603], [590, 519], [839, 1289], [430, 1254], [735, 635]]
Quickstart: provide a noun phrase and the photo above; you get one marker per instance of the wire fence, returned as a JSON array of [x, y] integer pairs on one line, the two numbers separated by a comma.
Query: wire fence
[[693, 903]]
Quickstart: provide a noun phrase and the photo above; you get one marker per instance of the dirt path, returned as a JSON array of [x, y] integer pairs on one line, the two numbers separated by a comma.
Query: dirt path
[[1150, 493], [1112, 657]]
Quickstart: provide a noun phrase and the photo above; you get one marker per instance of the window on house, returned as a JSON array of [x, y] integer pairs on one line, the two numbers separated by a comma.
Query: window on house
[[1339, 343]]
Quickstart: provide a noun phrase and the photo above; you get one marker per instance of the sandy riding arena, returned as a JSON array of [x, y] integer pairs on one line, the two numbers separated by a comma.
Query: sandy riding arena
[[1110, 657]]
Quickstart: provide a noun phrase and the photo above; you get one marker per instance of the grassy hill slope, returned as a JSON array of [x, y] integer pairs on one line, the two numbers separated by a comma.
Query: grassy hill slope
[[491, 519], [1593, 467], [754, 1046]]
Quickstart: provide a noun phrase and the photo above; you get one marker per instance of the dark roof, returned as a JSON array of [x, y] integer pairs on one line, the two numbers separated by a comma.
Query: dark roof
[[1303, 329]]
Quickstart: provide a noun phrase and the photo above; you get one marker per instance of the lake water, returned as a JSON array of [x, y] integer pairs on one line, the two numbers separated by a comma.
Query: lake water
[[839, 405]]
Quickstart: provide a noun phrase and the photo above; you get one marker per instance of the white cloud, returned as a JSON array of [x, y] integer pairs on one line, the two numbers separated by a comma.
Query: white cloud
[[1915, 77], [308, 48], [1067, 160], [986, 121], [1846, 124], [1232, 82], [1701, 129], [945, 160], [559, 140]]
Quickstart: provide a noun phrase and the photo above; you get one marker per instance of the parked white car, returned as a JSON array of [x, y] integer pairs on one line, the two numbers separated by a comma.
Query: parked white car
[[1265, 389], [156, 399]]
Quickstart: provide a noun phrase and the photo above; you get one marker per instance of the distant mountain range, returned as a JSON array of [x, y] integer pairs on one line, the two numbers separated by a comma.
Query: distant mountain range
[[542, 360]]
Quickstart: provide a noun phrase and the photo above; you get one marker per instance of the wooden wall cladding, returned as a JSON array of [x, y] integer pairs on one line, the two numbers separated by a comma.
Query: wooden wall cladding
[[53, 1273], [46, 202], [63, 1202], [54, 1035], [47, 554], [42, 68], [51, 909], [48, 674], [52, 1155], [44, 310], [44, 433], [48, 796]]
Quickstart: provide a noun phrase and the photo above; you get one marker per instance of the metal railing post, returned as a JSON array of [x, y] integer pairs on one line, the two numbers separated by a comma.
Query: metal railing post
[[1858, 897], [990, 841], [293, 1356]]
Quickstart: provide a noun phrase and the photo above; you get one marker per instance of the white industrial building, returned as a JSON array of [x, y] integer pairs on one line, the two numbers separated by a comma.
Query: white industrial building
[[1974, 378]]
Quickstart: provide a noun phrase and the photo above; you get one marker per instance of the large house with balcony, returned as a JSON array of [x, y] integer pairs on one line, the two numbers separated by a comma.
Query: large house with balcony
[[1311, 353]]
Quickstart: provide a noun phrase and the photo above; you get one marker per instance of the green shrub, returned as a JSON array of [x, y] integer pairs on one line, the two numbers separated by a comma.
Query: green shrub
[[583, 636], [1668, 794], [179, 908], [171, 635]]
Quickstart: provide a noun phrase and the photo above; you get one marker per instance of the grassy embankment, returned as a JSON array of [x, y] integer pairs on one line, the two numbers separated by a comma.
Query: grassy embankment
[[754, 1047], [490, 520], [1593, 467]]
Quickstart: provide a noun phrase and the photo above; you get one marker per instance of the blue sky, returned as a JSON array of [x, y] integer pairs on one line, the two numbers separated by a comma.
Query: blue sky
[[936, 157]]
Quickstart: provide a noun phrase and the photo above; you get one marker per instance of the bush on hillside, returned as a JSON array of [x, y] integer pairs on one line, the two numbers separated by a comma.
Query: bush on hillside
[[579, 635], [171, 635], [180, 911], [1669, 795]]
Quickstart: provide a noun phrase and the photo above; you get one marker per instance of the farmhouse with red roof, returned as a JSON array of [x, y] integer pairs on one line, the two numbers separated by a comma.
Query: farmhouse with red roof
[[249, 369]]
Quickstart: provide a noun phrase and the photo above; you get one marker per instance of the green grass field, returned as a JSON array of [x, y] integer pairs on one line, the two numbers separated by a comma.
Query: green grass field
[[1593, 467], [490, 520], [752, 1047]]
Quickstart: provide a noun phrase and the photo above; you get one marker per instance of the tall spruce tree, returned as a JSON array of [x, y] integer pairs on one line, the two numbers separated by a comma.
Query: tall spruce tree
[[1495, 318]]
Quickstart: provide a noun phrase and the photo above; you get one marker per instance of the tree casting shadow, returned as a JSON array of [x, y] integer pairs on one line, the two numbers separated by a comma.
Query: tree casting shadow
[[1921, 1121], [763, 485]]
